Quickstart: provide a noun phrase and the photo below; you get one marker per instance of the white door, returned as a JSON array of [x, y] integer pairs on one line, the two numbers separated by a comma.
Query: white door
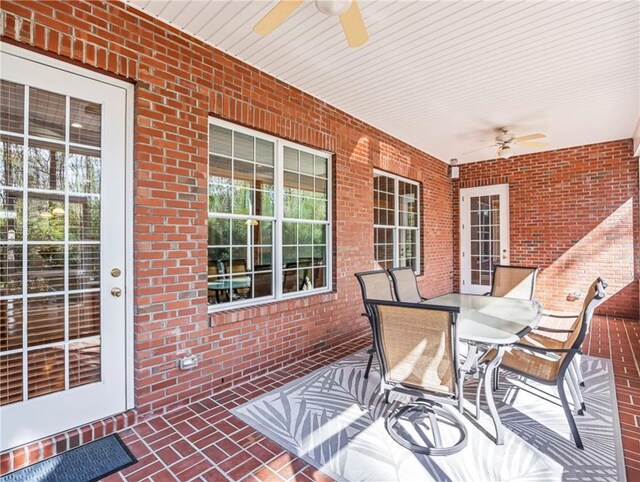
[[484, 235], [62, 242]]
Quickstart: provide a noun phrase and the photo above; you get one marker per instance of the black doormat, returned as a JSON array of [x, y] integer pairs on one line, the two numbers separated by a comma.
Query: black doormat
[[87, 463]]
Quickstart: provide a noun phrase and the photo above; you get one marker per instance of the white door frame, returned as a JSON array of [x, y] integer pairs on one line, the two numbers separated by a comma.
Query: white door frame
[[465, 231], [6, 52]]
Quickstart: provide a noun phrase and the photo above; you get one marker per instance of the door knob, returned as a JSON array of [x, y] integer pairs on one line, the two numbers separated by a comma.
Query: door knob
[[116, 292], [115, 272]]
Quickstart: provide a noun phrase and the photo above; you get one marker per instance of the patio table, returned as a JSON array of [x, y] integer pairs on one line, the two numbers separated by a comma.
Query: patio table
[[493, 321]]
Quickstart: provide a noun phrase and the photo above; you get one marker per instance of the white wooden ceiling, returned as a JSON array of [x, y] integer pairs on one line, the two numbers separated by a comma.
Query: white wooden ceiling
[[441, 75]]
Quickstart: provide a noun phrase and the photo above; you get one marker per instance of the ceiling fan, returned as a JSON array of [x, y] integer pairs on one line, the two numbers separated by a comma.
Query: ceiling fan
[[348, 10], [505, 140]]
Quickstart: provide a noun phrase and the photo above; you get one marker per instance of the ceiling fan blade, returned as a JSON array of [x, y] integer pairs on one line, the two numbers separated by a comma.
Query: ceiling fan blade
[[353, 26], [276, 16], [530, 137], [532, 144]]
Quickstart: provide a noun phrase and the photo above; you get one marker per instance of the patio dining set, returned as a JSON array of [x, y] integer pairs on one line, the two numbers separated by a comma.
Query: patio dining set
[[428, 348]]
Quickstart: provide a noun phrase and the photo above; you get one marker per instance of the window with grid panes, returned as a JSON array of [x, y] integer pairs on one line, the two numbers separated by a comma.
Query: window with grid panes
[[268, 221], [396, 209]]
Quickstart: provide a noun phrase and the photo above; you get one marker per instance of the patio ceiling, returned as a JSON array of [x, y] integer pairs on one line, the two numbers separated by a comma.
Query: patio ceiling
[[442, 75]]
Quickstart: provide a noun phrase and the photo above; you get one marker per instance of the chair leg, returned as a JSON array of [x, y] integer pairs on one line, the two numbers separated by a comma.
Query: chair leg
[[366, 372], [496, 379], [573, 391], [568, 414], [573, 379], [478, 391], [576, 364]]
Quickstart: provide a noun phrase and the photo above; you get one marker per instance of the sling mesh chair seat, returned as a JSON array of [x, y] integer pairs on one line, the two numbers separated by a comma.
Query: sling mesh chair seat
[[548, 360], [374, 285], [513, 282], [417, 349], [405, 285]]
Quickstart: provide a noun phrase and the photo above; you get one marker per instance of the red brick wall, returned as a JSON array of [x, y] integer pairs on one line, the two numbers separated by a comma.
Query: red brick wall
[[573, 212], [179, 82]]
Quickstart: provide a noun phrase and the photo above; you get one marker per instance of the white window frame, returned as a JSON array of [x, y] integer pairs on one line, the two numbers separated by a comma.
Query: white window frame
[[396, 225], [278, 218]]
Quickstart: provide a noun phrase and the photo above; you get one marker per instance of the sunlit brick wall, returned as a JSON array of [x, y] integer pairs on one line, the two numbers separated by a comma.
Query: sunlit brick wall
[[179, 82], [574, 213]]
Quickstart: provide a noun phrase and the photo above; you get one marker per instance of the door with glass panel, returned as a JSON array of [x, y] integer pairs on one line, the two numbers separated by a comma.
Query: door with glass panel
[[62, 250], [484, 235]]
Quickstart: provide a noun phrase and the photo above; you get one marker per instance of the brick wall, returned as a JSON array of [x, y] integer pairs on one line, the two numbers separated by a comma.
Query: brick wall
[[179, 81], [573, 212]]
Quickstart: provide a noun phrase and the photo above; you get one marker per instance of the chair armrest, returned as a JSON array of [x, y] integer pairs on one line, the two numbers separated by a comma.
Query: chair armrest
[[551, 315], [552, 330], [544, 350]]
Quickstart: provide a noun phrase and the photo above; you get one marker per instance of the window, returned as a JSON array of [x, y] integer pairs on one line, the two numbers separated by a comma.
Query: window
[[396, 221], [269, 223]]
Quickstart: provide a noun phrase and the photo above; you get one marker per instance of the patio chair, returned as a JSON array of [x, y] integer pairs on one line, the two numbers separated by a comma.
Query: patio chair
[[374, 285], [513, 282], [548, 361], [405, 285], [417, 348]]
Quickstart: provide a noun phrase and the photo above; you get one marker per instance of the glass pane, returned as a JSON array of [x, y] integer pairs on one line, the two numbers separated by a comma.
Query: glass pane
[[290, 256], [290, 281], [220, 196], [46, 320], [291, 206], [11, 324], [10, 270], [84, 218], [263, 284], [11, 107], [242, 201], [219, 169], [306, 208], [243, 174], [264, 203], [45, 370], [321, 188], [220, 140], [291, 159], [289, 233], [84, 266], [45, 269], [46, 114], [46, 217], [11, 159], [304, 233], [239, 233], [243, 146], [85, 123], [291, 183], [306, 163], [46, 166], [10, 378], [321, 166], [319, 234], [219, 232], [84, 362], [307, 186], [10, 215], [84, 170], [264, 178], [264, 151], [84, 315]]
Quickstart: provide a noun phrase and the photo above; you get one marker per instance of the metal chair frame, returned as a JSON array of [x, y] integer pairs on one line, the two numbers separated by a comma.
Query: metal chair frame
[[360, 277], [426, 402], [566, 362]]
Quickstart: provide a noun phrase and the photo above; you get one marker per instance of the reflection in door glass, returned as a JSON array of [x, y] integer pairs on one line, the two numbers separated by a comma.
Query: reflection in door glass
[[485, 238], [50, 193]]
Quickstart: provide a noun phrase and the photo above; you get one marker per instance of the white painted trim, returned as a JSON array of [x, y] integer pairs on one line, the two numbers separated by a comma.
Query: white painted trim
[[464, 213], [129, 190], [636, 139], [278, 218]]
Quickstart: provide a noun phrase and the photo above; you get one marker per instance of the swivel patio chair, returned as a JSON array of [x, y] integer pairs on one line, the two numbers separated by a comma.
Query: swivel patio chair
[[405, 285], [417, 348], [513, 282], [548, 361], [374, 285]]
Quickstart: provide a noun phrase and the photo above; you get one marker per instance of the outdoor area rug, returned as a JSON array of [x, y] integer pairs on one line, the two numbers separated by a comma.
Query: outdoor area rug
[[333, 418], [87, 463]]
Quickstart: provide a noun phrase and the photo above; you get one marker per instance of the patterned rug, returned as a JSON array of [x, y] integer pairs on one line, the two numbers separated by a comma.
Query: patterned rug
[[334, 419]]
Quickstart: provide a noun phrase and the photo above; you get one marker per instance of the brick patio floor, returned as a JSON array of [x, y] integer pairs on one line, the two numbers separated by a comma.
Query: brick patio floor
[[205, 442]]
